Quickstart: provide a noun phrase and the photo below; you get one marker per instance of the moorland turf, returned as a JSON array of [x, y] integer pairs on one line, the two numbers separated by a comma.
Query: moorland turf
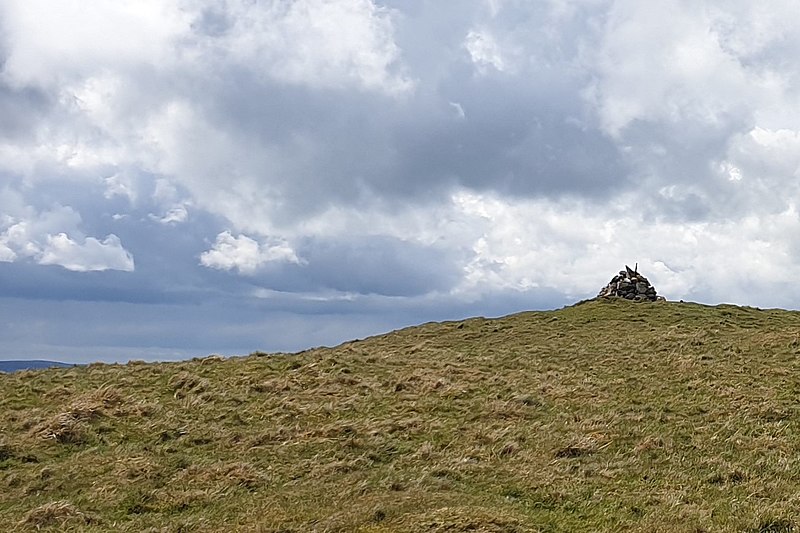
[[604, 416]]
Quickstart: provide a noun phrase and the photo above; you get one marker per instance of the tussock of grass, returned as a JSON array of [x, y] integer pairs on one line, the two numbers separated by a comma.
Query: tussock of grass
[[59, 514], [604, 416], [466, 519], [71, 426]]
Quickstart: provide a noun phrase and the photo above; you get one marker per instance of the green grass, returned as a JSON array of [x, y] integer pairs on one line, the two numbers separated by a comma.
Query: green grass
[[604, 416]]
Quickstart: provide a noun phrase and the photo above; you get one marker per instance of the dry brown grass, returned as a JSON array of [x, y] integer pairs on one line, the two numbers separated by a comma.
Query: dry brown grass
[[605, 416], [71, 426], [59, 514]]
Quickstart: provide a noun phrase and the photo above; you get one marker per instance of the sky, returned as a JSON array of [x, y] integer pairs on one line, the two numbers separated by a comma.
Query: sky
[[187, 177]]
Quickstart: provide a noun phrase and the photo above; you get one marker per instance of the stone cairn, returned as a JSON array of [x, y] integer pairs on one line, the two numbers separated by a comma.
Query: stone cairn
[[631, 285]]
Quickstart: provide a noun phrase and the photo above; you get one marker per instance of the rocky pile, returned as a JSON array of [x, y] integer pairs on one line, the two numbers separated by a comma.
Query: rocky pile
[[631, 285]]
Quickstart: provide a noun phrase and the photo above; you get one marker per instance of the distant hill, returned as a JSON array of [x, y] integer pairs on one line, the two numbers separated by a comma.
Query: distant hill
[[13, 366], [608, 415]]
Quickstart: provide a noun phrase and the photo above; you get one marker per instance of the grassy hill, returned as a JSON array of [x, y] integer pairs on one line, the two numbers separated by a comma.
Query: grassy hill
[[604, 416]]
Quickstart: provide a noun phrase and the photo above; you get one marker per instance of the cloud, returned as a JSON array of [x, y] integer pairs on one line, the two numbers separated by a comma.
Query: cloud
[[384, 264], [42, 236], [316, 43], [48, 44], [21, 109], [244, 254], [174, 215], [120, 185], [458, 109], [7, 255], [91, 255], [485, 51], [677, 72]]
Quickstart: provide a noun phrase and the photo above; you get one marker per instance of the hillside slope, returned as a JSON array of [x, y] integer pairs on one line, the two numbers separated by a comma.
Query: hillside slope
[[604, 416]]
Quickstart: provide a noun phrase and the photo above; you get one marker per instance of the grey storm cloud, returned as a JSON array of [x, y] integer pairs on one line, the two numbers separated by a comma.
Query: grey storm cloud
[[21, 109], [288, 173], [379, 265]]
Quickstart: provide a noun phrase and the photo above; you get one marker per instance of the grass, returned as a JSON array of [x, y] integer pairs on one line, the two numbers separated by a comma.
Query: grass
[[604, 416]]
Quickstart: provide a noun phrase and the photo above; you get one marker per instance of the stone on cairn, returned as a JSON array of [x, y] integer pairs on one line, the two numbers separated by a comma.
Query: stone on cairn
[[631, 285]]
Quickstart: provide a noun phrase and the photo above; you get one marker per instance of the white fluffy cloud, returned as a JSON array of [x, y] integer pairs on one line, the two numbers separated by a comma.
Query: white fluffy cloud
[[44, 237], [317, 43], [691, 62], [90, 255], [7, 255], [246, 255], [52, 44], [324, 43], [485, 51]]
